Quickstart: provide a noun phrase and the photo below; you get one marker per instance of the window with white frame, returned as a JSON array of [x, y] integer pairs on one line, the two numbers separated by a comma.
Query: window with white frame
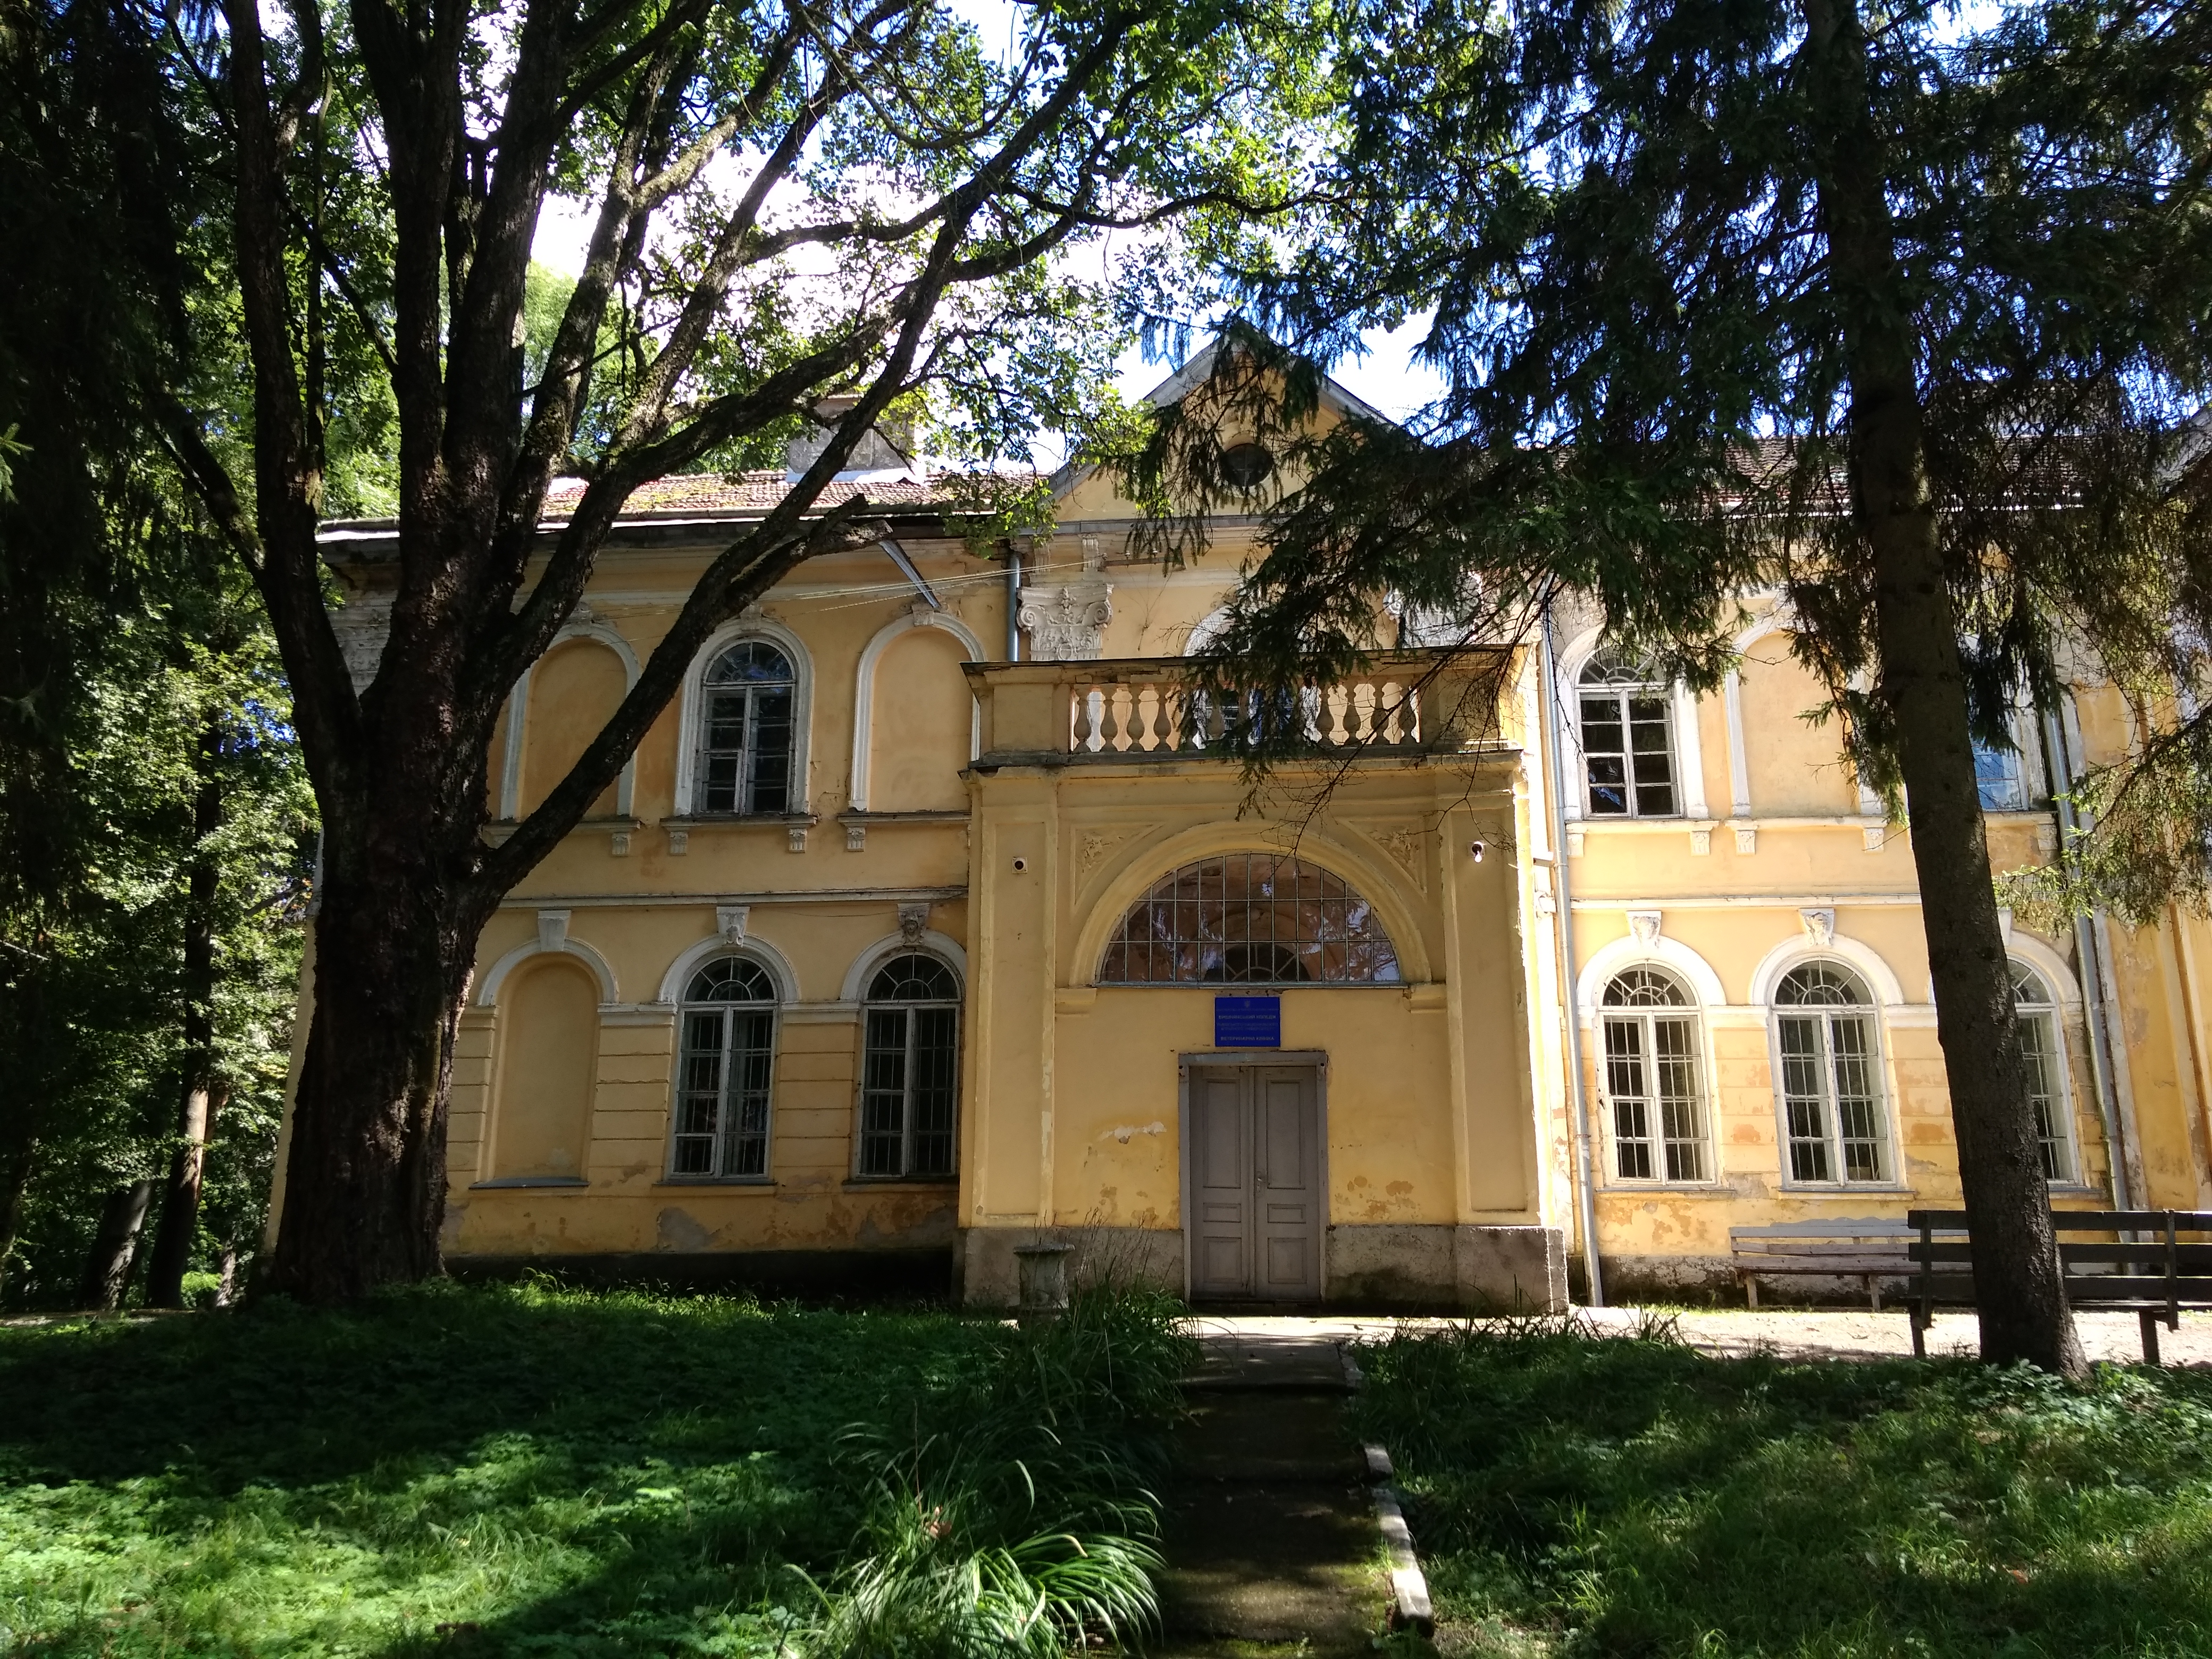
[[1651, 1078], [910, 1072], [723, 1072], [1831, 1077], [748, 704], [2000, 778], [2043, 1056], [1627, 723]]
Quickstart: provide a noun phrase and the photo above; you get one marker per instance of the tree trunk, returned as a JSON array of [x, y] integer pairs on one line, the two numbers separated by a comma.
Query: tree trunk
[[181, 1200], [114, 1247], [2019, 1290], [13, 1190], [226, 1287], [365, 1184]]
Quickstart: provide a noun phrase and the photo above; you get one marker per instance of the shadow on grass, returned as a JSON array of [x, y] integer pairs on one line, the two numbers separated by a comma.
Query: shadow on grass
[[506, 1470], [1630, 1496]]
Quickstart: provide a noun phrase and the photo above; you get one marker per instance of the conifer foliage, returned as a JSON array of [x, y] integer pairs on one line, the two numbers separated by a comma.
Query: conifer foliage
[[1897, 309]]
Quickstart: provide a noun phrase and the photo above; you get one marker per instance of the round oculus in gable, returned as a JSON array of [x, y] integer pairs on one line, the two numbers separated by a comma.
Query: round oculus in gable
[[1247, 466]]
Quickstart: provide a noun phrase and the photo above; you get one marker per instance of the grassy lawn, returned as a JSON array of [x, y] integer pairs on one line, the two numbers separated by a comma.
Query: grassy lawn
[[517, 1470], [1581, 1496]]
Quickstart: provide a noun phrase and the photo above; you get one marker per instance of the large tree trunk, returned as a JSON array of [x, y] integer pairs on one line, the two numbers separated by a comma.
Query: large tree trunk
[[2019, 1291], [365, 1184], [114, 1247], [180, 1199]]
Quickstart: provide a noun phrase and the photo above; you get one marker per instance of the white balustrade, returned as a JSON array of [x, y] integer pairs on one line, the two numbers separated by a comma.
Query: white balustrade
[[1162, 717]]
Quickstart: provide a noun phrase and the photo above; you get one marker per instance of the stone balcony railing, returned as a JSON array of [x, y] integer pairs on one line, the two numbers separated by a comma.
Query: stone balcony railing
[[1141, 710]]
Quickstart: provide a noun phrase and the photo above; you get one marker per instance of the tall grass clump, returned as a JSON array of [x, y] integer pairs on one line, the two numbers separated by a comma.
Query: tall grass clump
[[1578, 1494], [1016, 1517]]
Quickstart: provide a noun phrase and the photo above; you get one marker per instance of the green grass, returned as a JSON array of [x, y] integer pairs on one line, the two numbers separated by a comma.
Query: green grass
[[522, 1470], [1575, 1495]]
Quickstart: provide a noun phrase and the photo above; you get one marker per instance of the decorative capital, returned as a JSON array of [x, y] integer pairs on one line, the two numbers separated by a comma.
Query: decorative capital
[[914, 922], [552, 930], [730, 923], [1643, 925], [1820, 926]]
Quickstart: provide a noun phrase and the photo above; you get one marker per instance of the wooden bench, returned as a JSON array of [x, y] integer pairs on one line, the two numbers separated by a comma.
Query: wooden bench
[[2138, 1260], [1869, 1248]]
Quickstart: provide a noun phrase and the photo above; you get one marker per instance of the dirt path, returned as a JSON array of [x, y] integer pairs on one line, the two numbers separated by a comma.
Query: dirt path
[[1271, 1539]]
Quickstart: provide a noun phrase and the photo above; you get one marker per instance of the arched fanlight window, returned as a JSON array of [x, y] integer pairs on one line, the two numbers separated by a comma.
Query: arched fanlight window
[[1251, 919], [1651, 1078], [1831, 1085], [722, 1079], [2044, 1056], [747, 702], [1627, 723], [910, 1073]]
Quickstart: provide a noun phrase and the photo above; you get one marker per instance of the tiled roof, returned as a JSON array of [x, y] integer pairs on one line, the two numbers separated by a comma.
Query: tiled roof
[[750, 492]]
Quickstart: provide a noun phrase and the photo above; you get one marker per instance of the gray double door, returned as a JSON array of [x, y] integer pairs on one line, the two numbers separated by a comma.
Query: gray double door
[[1256, 1203]]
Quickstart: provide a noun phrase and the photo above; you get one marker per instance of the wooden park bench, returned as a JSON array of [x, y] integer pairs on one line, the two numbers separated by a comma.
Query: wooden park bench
[[2134, 1260], [1869, 1248]]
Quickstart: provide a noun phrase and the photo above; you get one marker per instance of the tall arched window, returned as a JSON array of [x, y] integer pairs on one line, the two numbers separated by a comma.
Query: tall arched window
[[1628, 739], [747, 699], [1651, 1078], [2043, 1057], [1831, 1103], [910, 1073], [1251, 919], [723, 1073]]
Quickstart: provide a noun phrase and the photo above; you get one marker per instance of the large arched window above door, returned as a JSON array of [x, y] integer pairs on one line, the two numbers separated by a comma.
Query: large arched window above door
[[1251, 919]]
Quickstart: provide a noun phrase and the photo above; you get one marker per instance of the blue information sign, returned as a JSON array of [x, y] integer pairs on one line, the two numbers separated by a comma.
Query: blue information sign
[[1248, 1022]]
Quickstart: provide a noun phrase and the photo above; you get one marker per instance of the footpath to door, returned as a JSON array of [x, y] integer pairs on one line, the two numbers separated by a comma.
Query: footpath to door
[[1271, 1539]]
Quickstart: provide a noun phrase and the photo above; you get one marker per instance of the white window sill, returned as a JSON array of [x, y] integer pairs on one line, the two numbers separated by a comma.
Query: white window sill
[[1846, 1189]]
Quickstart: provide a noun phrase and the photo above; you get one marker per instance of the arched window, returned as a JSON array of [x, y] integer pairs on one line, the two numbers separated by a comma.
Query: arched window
[[722, 1077], [747, 699], [1628, 739], [1251, 919], [2043, 1057], [1651, 1078], [1831, 1103], [911, 1074]]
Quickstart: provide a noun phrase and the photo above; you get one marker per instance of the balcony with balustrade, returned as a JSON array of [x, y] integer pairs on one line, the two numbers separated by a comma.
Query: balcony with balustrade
[[1407, 706]]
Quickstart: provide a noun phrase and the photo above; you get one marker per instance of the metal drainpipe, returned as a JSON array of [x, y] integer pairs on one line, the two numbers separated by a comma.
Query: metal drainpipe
[[1013, 606], [2085, 956], [1585, 1199]]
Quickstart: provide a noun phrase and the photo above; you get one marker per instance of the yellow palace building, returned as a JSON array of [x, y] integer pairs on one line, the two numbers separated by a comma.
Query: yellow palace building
[[933, 920]]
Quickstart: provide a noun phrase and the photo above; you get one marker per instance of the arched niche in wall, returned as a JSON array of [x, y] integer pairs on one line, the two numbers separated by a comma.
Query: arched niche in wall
[[914, 720], [548, 1056], [556, 709], [1783, 765]]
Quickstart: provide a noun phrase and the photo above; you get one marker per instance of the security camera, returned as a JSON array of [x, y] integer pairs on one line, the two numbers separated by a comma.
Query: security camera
[[1476, 848], [1020, 865]]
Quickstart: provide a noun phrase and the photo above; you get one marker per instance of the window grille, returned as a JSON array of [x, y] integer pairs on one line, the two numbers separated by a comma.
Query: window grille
[[745, 730], [722, 1084], [2043, 1059], [1251, 919], [1830, 1095], [910, 1073], [1628, 739], [1651, 1078]]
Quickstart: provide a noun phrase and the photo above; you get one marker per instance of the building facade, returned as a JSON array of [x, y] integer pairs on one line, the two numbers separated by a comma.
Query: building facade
[[938, 917]]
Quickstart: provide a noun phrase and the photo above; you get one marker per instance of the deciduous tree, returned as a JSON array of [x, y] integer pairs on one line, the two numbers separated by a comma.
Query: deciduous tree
[[789, 200]]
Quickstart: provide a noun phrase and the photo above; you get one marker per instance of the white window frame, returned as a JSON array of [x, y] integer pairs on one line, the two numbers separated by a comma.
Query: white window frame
[[1643, 1018], [686, 1010], [691, 720], [869, 1008], [2049, 1014], [1868, 1011], [1622, 691]]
